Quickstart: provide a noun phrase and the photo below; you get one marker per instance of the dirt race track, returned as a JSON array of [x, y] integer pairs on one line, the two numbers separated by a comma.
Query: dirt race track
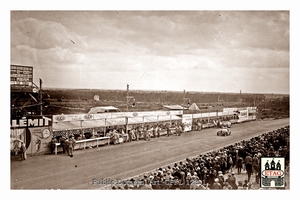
[[125, 160]]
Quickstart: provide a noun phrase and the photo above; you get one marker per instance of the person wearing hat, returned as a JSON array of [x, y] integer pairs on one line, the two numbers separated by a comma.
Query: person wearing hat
[[216, 185], [232, 180], [23, 151], [239, 164], [71, 144], [221, 179], [230, 162], [53, 144]]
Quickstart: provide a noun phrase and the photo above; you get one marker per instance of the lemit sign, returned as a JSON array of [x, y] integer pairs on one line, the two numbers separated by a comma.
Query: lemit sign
[[30, 122]]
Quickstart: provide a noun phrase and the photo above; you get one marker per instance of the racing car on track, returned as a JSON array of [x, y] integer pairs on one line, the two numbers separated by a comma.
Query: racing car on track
[[224, 132]]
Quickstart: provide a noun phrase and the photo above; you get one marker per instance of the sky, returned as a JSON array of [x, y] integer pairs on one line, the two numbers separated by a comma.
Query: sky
[[192, 50]]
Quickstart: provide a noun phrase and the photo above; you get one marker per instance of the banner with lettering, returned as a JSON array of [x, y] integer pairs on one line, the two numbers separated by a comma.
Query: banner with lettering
[[75, 117], [187, 120], [30, 122], [243, 115]]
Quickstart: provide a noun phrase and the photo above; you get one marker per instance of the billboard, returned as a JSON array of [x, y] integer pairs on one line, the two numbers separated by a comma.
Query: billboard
[[187, 120], [21, 76]]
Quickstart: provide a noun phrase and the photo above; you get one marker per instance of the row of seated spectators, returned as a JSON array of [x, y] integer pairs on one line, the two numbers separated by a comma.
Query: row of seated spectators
[[207, 171]]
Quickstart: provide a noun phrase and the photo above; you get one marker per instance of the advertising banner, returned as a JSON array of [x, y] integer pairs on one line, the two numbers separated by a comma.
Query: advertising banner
[[76, 117], [135, 120], [213, 114], [252, 109], [115, 121], [198, 115], [39, 140], [36, 139], [229, 110], [82, 117], [29, 122], [152, 113], [119, 114], [205, 115], [226, 113], [102, 116], [187, 120], [17, 136], [243, 115]]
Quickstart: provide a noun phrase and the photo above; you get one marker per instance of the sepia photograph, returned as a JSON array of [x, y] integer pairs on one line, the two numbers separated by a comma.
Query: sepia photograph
[[147, 99]]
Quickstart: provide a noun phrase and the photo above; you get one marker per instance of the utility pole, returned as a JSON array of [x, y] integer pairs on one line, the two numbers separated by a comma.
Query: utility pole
[[128, 98], [240, 98], [41, 97], [185, 100]]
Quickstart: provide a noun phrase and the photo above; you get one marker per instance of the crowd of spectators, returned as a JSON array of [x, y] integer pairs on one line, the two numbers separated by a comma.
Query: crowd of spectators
[[213, 170]]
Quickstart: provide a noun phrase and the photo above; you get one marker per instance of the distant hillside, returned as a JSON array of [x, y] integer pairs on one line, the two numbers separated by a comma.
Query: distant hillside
[[167, 97], [69, 101]]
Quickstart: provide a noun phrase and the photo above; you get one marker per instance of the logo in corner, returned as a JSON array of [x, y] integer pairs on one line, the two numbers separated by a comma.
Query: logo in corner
[[272, 172]]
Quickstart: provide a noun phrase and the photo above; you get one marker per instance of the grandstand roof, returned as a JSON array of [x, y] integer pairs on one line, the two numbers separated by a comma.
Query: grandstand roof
[[175, 107], [102, 109]]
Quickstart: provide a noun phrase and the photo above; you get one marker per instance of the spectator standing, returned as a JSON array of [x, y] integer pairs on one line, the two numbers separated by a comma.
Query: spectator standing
[[221, 178], [230, 163], [53, 144], [130, 134], [23, 151], [248, 159], [232, 180], [216, 185], [158, 131], [212, 176], [168, 130], [180, 130], [138, 133], [115, 137], [248, 163], [154, 131], [125, 136], [71, 144], [255, 163], [239, 164], [135, 134], [199, 126]]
